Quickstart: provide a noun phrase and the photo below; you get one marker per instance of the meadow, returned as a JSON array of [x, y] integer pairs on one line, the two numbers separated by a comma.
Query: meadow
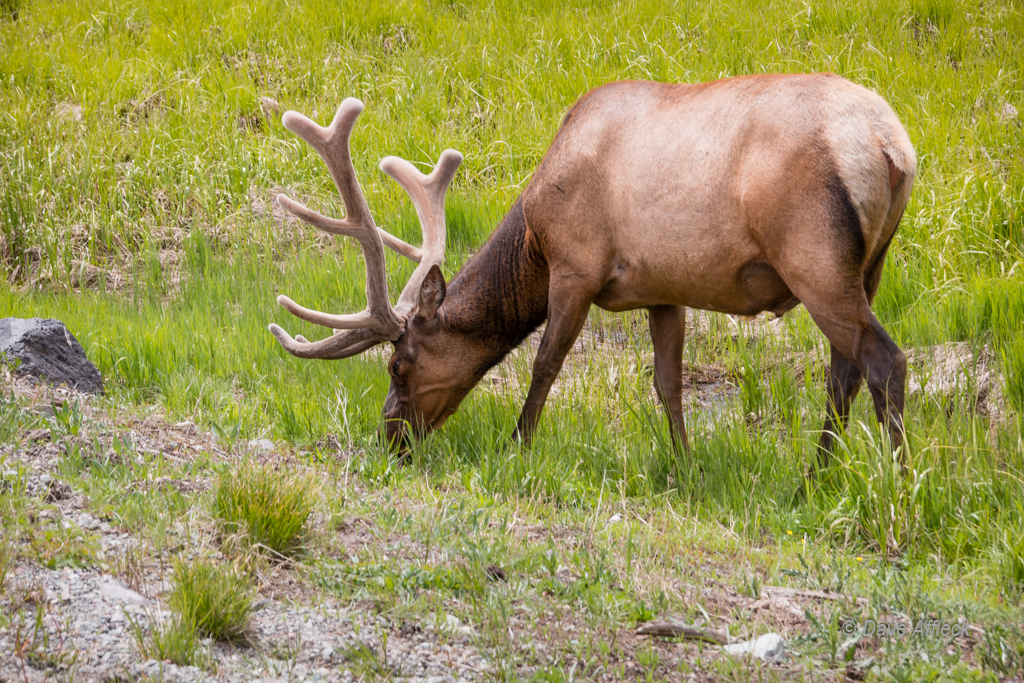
[[141, 146]]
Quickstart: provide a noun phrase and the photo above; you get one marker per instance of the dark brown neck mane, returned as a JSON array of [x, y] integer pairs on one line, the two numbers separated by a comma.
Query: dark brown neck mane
[[501, 295]]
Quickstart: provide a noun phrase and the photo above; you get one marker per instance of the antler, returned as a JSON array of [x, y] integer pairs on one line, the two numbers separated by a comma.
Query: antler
[[354, 333]]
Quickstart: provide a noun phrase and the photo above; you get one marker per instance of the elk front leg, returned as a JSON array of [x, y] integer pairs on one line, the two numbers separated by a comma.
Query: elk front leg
[[668, 330], [568, 306]]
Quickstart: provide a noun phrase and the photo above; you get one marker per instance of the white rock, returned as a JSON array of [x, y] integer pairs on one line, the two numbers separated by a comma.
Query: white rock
[[261, 444], [766, 647], [114, 590], [615, 519], [447, 623]]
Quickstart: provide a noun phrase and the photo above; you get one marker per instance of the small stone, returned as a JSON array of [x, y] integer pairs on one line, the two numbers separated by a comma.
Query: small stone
[[1009, 112], [615, 519], [766, 647], [57, 490], [87, 521], [68, 111], [262, 445], [114, 590], [38, 435]]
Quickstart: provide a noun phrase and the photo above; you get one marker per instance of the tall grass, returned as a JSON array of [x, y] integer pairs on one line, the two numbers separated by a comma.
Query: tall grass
[[133, 140], [264, 508], [214, 600]]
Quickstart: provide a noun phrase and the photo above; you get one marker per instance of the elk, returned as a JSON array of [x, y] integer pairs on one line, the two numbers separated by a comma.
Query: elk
[[743, 195]]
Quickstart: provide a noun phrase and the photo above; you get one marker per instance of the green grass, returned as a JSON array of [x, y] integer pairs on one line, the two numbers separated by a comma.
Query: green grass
[[264, 508], [175, 640], [157, 148], [212, 599], [6, 562]]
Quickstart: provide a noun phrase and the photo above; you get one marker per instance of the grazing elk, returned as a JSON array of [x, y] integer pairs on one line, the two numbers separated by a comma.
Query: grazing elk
[[743, 195]]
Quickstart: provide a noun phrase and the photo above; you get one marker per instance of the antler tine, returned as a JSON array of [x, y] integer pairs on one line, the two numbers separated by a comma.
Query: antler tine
[[332, 144], [335, 347], [427, 193]]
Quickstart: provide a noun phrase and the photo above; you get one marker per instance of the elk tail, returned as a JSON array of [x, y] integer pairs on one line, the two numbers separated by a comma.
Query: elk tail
[[899, 154]]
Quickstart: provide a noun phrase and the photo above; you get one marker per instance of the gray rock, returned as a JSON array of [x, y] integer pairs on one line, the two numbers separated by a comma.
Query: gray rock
[[766, 647], [114, 590], [49, 353]]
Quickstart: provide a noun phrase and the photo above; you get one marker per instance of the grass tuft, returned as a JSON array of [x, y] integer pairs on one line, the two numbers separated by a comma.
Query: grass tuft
[[175, 641], [268, 508], [213, 599]]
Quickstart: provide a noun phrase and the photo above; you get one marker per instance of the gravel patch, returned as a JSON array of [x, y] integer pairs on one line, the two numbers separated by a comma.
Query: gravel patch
[[86, 617]]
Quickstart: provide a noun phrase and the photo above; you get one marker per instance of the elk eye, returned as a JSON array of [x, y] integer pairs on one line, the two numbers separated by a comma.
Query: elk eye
[[394, 366]]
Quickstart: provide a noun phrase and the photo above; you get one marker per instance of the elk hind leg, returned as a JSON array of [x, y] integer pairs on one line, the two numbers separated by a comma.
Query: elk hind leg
[[841, 388], [668, 329], [856, 334], [845, 377]]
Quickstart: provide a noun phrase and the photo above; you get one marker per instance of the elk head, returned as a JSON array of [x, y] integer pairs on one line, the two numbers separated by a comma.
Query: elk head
[[425, 386]]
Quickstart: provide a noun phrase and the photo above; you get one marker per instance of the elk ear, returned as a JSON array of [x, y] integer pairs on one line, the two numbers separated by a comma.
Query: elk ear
[[432, 293]]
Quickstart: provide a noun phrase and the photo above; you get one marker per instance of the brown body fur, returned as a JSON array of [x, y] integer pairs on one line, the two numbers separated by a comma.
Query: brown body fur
[[743, 195]]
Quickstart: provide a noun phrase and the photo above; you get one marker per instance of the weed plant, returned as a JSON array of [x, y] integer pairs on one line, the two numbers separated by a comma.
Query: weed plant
[[264, 508], [214, 599]]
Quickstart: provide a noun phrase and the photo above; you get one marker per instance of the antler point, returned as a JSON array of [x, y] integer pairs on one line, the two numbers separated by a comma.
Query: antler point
[[353, 103], [454, 154]]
